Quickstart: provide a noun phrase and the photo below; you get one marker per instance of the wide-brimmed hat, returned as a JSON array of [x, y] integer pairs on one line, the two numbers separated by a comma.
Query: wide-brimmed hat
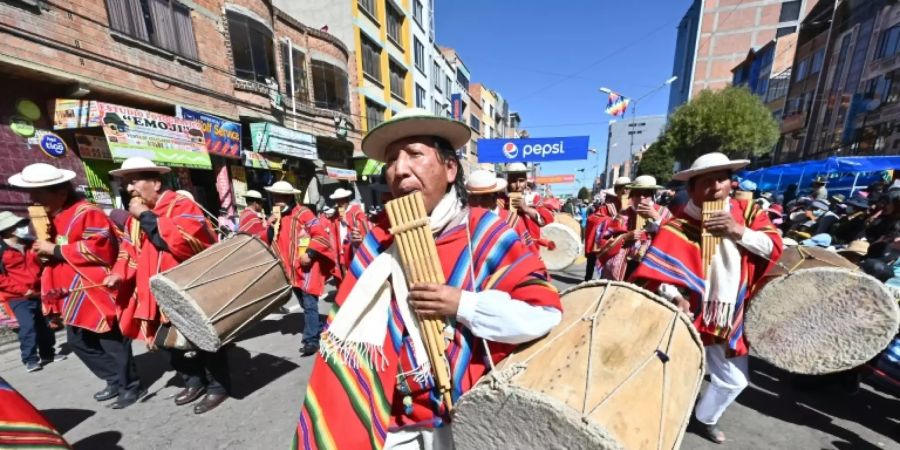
[[40, 175], [820, 240], [137, 164], [710, 162], [413, 122], [644, 183], [340, 193], [9, 220], [516, 167], [252, 193], [747, 185], [819, 180], [484, 182], [282, 188], [622, 181], [858, 247]]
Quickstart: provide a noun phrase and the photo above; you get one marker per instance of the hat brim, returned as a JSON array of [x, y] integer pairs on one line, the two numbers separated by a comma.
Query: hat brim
[[279, 191], [5, 225], [254, 197], [17, 181], [641, 187], [376, 141], [686, 175], [499, 187], [338, 197], [123, 172]]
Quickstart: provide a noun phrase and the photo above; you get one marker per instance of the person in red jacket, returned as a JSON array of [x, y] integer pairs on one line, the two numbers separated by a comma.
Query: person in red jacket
[[82, 250], [609, 208], [307, 254], [20, 288], [352, 225], [252, 219]]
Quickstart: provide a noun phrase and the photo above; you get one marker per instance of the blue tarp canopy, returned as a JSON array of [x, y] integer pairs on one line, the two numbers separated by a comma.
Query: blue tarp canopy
[[845, 174]]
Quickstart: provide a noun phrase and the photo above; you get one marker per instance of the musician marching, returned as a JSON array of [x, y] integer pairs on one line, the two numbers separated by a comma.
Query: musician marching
[[351, 224], [165, 228], [521, 206], [610, 207], [81, 251], [252, 220], [484, 189], [712, 280], [625, 237], [300, 240], [496, 295]]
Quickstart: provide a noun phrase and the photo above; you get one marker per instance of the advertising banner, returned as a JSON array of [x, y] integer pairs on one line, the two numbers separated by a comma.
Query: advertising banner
[[456, 106], [165, 140], [533, 149], [270, 138], [92, 147], [73, 113], [222, 137], [340, 174], [555, 179]]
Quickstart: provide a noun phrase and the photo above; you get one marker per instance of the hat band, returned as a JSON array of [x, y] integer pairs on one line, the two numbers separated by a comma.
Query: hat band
[[485, 189]]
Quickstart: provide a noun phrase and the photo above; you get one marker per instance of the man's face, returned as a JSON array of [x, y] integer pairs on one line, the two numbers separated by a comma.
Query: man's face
[[414, 165], [255, 205], [342, 203], [282, 200], [639, 196], [52, 198], [145, 186], [710, 186], [486, 201], [517, 182], [621, 191]]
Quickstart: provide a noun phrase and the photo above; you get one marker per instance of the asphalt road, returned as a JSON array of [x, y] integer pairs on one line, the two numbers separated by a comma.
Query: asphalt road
[[269, 378]]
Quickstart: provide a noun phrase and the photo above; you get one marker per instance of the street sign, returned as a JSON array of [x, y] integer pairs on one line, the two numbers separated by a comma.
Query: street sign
[[533, 149]]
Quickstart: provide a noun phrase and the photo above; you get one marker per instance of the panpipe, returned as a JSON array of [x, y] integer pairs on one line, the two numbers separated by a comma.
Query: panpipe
[[639, 221], [276, 212], [515, 201], [708, 242], [411, 229], [40, 221]]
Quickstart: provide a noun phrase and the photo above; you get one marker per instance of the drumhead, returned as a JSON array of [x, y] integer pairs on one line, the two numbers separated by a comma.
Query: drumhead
[[821, 320], [568, 246], [569, 221]]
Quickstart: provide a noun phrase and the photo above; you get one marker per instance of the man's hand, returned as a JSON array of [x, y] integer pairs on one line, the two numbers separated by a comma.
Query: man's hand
[[722, 224], [434, 300], [136, 207], [645, 209], [305, 261], [272, 219], [112, 280], [355, 237], [683, 305], [30, 293], [44, 248]]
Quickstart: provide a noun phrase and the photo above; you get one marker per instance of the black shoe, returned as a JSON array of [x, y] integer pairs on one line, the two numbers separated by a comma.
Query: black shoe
[[127, 399], [107, 393], [188, 395], [309, 349], [209, 402]]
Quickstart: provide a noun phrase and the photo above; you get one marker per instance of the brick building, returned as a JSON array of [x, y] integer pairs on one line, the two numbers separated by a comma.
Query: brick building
[[245, 62]]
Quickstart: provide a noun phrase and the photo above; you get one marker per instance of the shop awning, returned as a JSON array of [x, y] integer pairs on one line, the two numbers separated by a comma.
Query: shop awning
[[271, 138], [843, 173], [260, 161], [367, 167]]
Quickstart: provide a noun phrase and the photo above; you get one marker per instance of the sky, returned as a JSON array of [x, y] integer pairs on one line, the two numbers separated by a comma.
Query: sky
[[548, 60]]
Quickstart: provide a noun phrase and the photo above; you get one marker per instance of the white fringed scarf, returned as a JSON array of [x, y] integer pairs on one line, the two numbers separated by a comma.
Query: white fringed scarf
[[723, 281]]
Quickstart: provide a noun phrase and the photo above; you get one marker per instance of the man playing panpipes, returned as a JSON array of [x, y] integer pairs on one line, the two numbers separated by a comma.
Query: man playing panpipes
[[307, 254], [251, 220], [80, 254], [534, 216], [610, 207], [372, 386], [625, 237], [351, 224], [483, 188], [714, 293], [165, 228]]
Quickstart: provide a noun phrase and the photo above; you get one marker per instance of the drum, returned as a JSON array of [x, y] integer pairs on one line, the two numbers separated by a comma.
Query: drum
[[818, 314], [565, 248], [222, 291], [569, 221], [622, 370]]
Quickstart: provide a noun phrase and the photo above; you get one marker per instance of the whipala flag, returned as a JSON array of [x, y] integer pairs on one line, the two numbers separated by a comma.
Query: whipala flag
[[617, 105]]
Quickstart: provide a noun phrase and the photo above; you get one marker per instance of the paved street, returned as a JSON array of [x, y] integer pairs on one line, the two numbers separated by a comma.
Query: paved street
[[270, 376]]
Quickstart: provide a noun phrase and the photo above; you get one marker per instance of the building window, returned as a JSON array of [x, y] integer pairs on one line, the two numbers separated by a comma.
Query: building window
[[436, 75], [438, 109], [299, 89], [163, 23], [784, 31], [801, 70], [371, 58], [417, 12], [447, 85], [374, 114], [368, 6], [419, 54], [398, 78], [889, 42], [790, 11], [475, 124], [462, 79], [330, 86], [394, 24], [251, 47], [818, 60], [420, 96]]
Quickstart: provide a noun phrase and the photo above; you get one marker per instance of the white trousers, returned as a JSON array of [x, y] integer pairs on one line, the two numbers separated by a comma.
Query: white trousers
[[727, 378], [420, 439]]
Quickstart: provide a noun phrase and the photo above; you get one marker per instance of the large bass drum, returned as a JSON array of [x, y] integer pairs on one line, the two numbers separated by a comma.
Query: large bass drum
[[819, 314], [622, 370], [222, 291], [565, 249], [569, 221]]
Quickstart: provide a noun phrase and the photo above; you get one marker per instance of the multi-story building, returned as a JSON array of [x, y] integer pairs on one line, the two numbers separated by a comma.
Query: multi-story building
[[766, 72], [714, 36], [627, 139], [466, 107], [79, 78]]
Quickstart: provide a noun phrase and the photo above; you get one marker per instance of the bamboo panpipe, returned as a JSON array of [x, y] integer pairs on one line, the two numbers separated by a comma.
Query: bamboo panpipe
[[40, 222], [515, 200], [639, 221], [708, 242], [418, 253], [276, 211]]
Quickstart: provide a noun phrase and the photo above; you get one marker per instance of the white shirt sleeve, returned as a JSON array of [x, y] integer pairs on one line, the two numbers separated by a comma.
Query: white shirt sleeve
[[668, 291], [495, 316], [757, 242]]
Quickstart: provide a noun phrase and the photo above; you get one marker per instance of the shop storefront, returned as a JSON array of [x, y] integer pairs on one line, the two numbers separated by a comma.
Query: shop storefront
[[296, 150]]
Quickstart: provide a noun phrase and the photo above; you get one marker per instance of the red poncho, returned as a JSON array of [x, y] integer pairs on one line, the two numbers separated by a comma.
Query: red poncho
[[297, 227], [675, 258], [355, 220], [87, 240], [22, 425], [353, 407], [252, 223], [518, 226], [591, 235], [613, 255]]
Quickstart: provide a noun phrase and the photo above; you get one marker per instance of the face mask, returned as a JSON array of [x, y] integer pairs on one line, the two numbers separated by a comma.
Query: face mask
[[23, 232]]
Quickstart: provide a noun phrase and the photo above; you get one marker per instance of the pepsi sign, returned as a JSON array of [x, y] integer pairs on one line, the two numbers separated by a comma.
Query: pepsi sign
[[533, 149]]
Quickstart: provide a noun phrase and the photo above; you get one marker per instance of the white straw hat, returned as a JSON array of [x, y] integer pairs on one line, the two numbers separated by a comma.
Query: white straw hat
[[137, 164], [40, 175], [413, 122], [516, 167], [645, 182], [622, 181], [283, 188], [340, 193], [484, 182], [710, 162], [253, 194], [9, 220]]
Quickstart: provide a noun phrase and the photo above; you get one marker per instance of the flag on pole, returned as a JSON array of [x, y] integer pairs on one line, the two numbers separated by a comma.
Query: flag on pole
[[617, 104]]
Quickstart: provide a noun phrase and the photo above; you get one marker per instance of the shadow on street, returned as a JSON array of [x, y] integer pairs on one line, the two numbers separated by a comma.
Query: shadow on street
[[107, 440], [64, 419]]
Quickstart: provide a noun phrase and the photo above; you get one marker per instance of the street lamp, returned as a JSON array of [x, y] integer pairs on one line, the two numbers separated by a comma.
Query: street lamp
[[633, 103]]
